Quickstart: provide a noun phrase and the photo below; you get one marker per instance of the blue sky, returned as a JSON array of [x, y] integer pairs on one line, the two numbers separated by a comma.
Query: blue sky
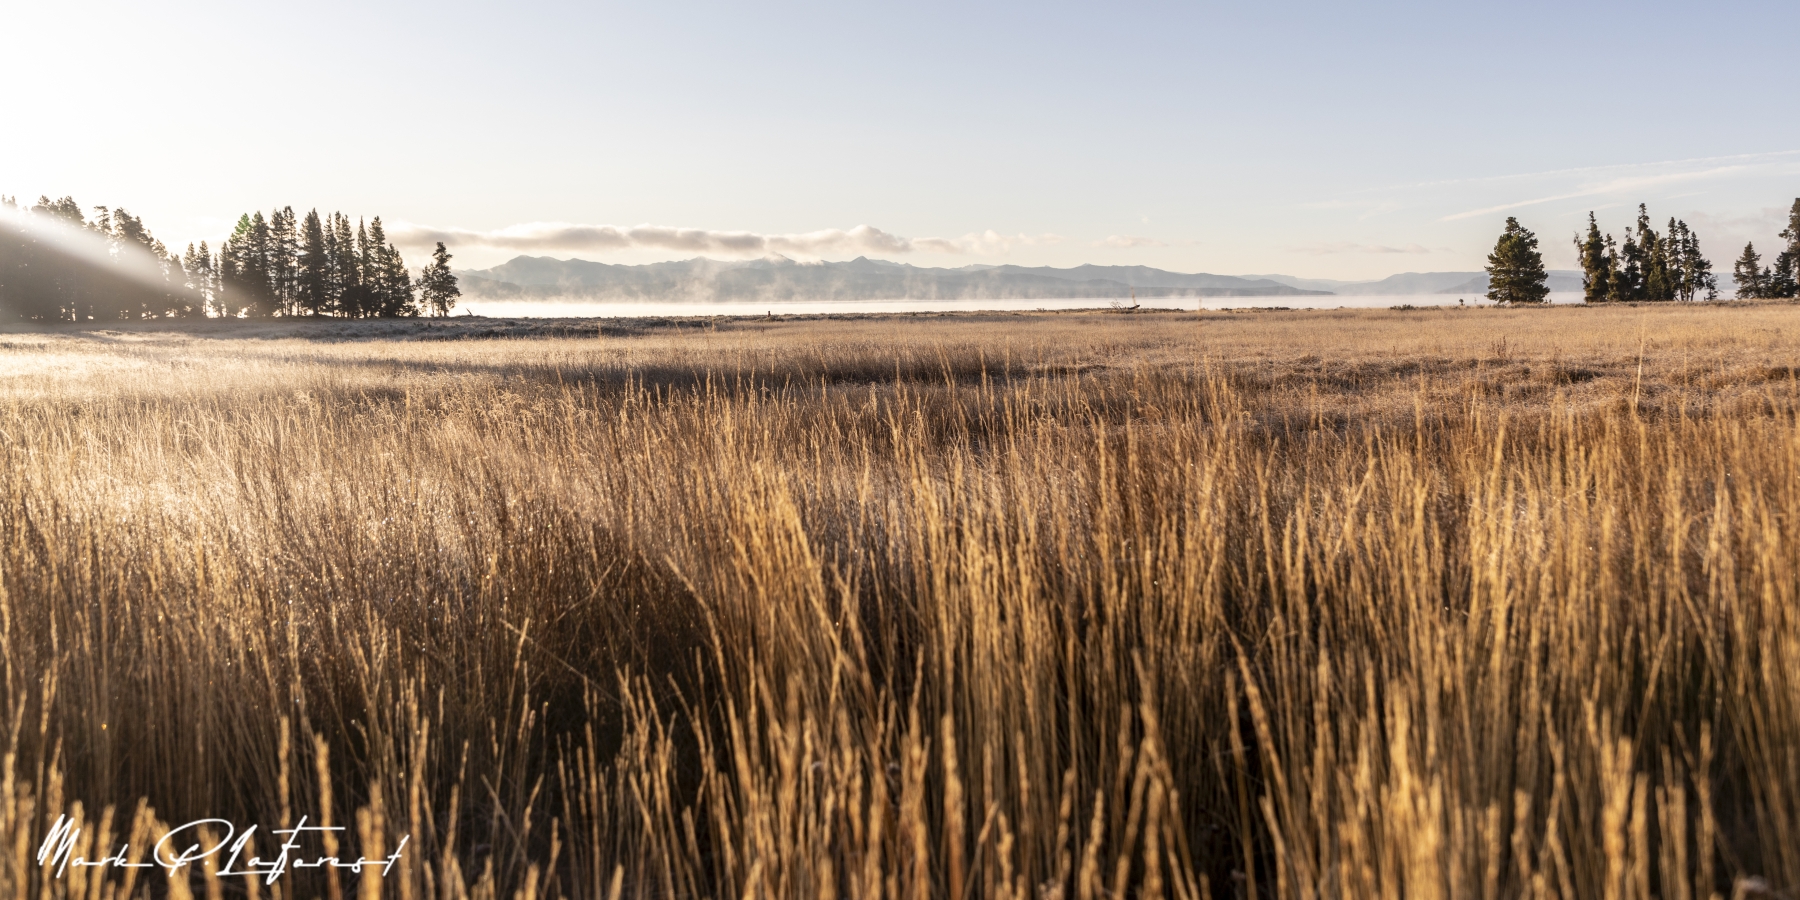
[[1309, 138]]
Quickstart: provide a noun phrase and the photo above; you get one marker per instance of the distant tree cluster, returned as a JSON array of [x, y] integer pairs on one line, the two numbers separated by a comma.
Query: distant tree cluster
[[284, 265], [1648, 267], [1756, 281], [57, 265], [112, 268]]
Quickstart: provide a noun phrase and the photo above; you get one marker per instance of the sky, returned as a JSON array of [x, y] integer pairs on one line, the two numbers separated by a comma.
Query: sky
[[1317, 139]]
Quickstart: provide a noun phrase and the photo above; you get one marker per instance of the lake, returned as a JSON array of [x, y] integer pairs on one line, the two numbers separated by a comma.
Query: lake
[[565, 309]]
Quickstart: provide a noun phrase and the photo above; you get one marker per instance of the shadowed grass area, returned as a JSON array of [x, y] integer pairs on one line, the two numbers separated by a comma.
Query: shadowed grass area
[[1458, 603]]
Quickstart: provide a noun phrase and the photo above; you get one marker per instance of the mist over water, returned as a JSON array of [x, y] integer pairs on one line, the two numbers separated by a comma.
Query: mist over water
[[591, 309]]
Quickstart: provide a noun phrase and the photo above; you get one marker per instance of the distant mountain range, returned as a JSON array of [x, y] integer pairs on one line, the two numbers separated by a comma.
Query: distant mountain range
[[1410, 283], [779, 278]]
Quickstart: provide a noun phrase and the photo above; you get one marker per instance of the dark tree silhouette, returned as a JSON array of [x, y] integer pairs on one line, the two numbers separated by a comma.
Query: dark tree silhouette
[[1752, 279], [437, 284], [1516, 268]]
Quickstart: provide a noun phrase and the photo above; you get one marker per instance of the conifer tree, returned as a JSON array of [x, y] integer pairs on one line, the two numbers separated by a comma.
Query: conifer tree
[[393, 291], [1694, 273], [1596, 274], [193, 279], [284, 259], [1615, 273], [346, 276], [262, 299], [1784, 280], [375, 269], [1516, 268], [245, 268], [1749, 274], [190, 267], [1781, 277], [1659, 280], [225, 303], [400, 285], [1631, 269], [356, 299], [334, 269], [437, 284], [230, 288], [198, 265], [313, 278]]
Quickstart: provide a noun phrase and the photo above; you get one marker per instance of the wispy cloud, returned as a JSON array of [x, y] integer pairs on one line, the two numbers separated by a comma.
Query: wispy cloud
[[541, 236], [1326, 249], [1128, 242], [1553, 192], [1603, 188], [990, 242], [1745, 160], [567, 236]]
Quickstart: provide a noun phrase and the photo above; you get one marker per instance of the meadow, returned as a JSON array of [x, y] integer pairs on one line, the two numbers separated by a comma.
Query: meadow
[[1374, 603]]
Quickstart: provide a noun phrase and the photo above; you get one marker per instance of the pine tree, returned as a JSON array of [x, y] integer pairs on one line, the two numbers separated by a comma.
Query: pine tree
[[1749, 274], [198, 265], [1784, 280], [245, 268], [346, 283], [437, 284], [1659, 277], [375, 268], [1631, 269], [1515, 268], [190, 267], [1782, 277], [229, 267], [284, 259], [260, 250], [1675, 260], [1616, 287], [1692, 274], [313, 277], [334, 269], [1596, 274], [194, 278], [393, 290], [1657, 286], [356, 299], [210, 269], [400, 285]]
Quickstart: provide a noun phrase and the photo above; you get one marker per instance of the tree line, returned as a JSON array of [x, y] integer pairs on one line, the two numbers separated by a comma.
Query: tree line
[[1646, 267], [56, 264]]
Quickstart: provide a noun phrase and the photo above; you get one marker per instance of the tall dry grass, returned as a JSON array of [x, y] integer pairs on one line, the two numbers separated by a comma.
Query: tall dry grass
[[1461, 604]]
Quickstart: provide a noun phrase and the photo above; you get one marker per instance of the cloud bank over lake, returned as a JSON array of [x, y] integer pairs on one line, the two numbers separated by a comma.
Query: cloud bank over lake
[[543, 237]]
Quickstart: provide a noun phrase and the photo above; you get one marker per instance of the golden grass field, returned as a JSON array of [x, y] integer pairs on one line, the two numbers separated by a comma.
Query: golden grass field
[[1442, 603]]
